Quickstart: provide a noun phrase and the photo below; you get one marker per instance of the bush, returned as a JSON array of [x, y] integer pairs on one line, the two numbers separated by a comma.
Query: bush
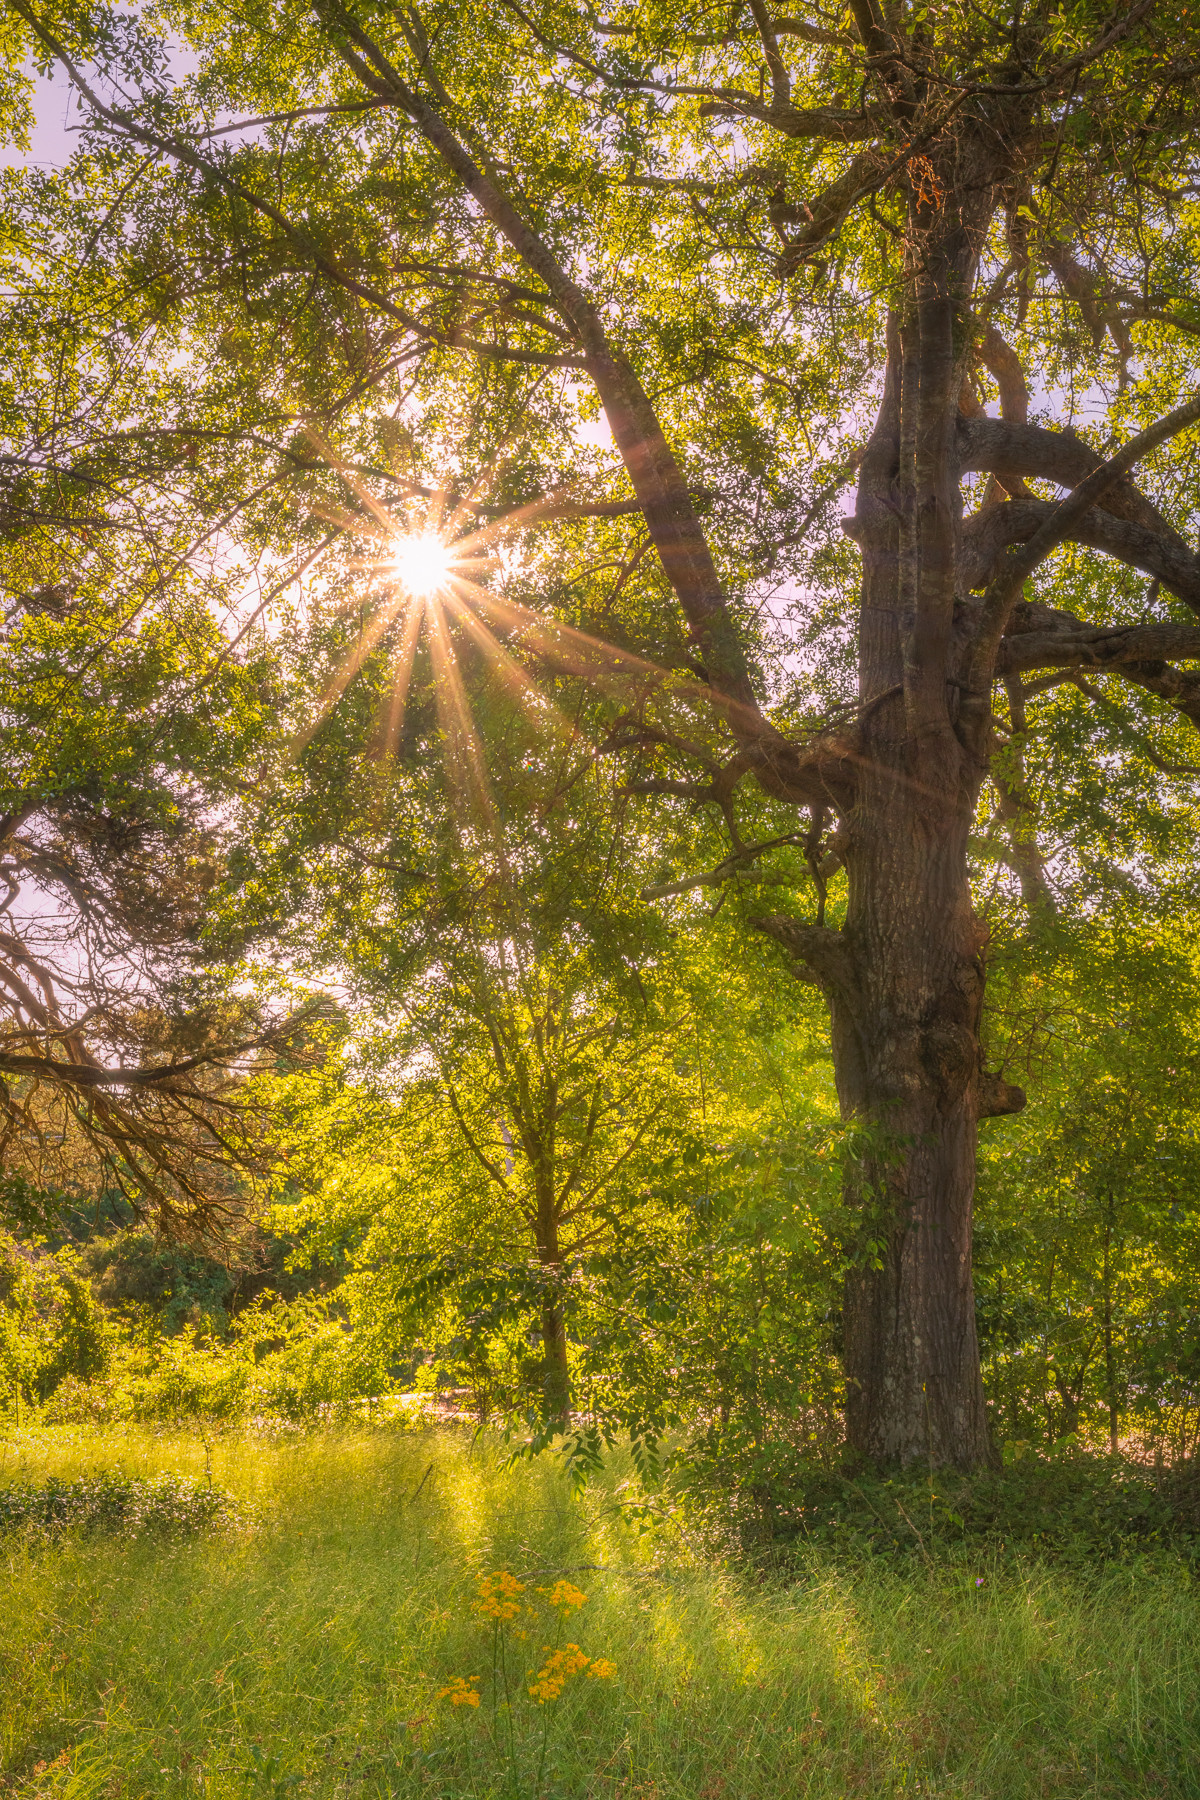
[[170, 1506], [1076, 1507]]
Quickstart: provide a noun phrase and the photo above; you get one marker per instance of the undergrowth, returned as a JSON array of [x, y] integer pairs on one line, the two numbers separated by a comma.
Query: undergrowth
[[113, 1502], [1074, 1508], [332, 1649]]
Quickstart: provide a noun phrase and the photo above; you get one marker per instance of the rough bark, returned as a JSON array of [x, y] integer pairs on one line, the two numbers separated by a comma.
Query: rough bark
[[913, 1385], [905, 976]]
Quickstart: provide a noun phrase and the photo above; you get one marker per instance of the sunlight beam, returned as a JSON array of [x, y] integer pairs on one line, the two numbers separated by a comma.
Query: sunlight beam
[[458, 727], [402, 666], [370, 635], [538, 707]]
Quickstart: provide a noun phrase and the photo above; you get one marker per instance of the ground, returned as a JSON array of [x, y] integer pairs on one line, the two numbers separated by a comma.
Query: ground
[[317, 1645]]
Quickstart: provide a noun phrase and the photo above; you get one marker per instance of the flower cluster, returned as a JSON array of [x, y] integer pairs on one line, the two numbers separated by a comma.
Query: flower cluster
[[562, 1595], [460, 1692], [498, 1597], [559, 1667]]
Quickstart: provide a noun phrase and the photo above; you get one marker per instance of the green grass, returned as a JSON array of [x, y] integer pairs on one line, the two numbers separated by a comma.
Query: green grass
[[301, 1653]]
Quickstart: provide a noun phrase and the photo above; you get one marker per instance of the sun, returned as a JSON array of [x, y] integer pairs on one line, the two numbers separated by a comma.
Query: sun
[[432, 585], [421, 563]]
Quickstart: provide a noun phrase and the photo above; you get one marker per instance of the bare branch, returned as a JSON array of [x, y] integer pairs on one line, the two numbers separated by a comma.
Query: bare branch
[[723, 871]]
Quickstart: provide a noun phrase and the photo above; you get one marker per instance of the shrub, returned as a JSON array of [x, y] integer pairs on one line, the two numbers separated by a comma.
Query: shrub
[[171, 1505]]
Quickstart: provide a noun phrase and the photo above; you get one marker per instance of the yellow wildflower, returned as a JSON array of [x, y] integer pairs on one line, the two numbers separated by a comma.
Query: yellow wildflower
[[460, 1692], [602, 1669], [562, 1595], [498, 1597], [560, 1665]]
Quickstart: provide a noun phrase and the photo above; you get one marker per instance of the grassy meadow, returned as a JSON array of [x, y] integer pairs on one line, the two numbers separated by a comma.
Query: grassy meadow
[[303, 1650]]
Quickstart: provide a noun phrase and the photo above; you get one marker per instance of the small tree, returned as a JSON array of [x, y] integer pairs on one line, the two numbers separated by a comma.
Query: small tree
[[502, 991]]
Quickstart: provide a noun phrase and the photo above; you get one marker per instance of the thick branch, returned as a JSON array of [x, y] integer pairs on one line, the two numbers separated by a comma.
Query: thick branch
[[1059, 456], [1099, 651], [1003, 591], [824, 954], [985, 535], [1004, 363], [712, 877], [1180, 688], [865, 176], [830, 122], [656, 476], [781, 87], [160, 1077]]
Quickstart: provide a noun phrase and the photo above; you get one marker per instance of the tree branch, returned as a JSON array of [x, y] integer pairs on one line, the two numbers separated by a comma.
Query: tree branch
[[1098, 650], [714, 877], [178, 151], [1059, 456], [1004, 589], [653, 470], [825, 953], [986, 534], [781, 87]]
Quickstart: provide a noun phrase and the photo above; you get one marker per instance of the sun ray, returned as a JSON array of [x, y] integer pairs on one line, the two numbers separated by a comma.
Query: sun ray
[[432, 557], [520, 515], [460, 738], [388, 523], [353, 522], [467, 501], [402, 668], [580, 654], [538, 707], [370, 635]]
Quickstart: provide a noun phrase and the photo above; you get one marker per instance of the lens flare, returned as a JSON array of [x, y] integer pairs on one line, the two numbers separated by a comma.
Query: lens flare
[[421, 563], [439, 569]]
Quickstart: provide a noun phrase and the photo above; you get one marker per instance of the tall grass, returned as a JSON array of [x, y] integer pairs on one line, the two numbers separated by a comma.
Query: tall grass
[[302, 1652]]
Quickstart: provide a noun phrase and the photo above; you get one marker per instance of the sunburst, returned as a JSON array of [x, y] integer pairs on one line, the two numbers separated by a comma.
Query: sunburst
[[428, 577], [421, 562]]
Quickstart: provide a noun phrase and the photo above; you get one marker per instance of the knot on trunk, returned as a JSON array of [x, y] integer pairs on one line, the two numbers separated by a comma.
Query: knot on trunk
[[997, 1096]]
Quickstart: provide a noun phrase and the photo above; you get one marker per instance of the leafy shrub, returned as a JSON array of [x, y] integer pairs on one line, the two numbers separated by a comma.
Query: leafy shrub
[[290, 1360], [171, 1505], [1076, 1507], [51, 1326]]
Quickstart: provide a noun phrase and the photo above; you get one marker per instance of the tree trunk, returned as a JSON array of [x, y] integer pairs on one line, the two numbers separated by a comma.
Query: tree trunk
[[556, 1377], [905, 976], [556, 1374], [1110, 1366], [909, 1071]]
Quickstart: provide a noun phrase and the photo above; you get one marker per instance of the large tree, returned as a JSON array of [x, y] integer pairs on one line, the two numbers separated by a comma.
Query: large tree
[[737, 230]]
